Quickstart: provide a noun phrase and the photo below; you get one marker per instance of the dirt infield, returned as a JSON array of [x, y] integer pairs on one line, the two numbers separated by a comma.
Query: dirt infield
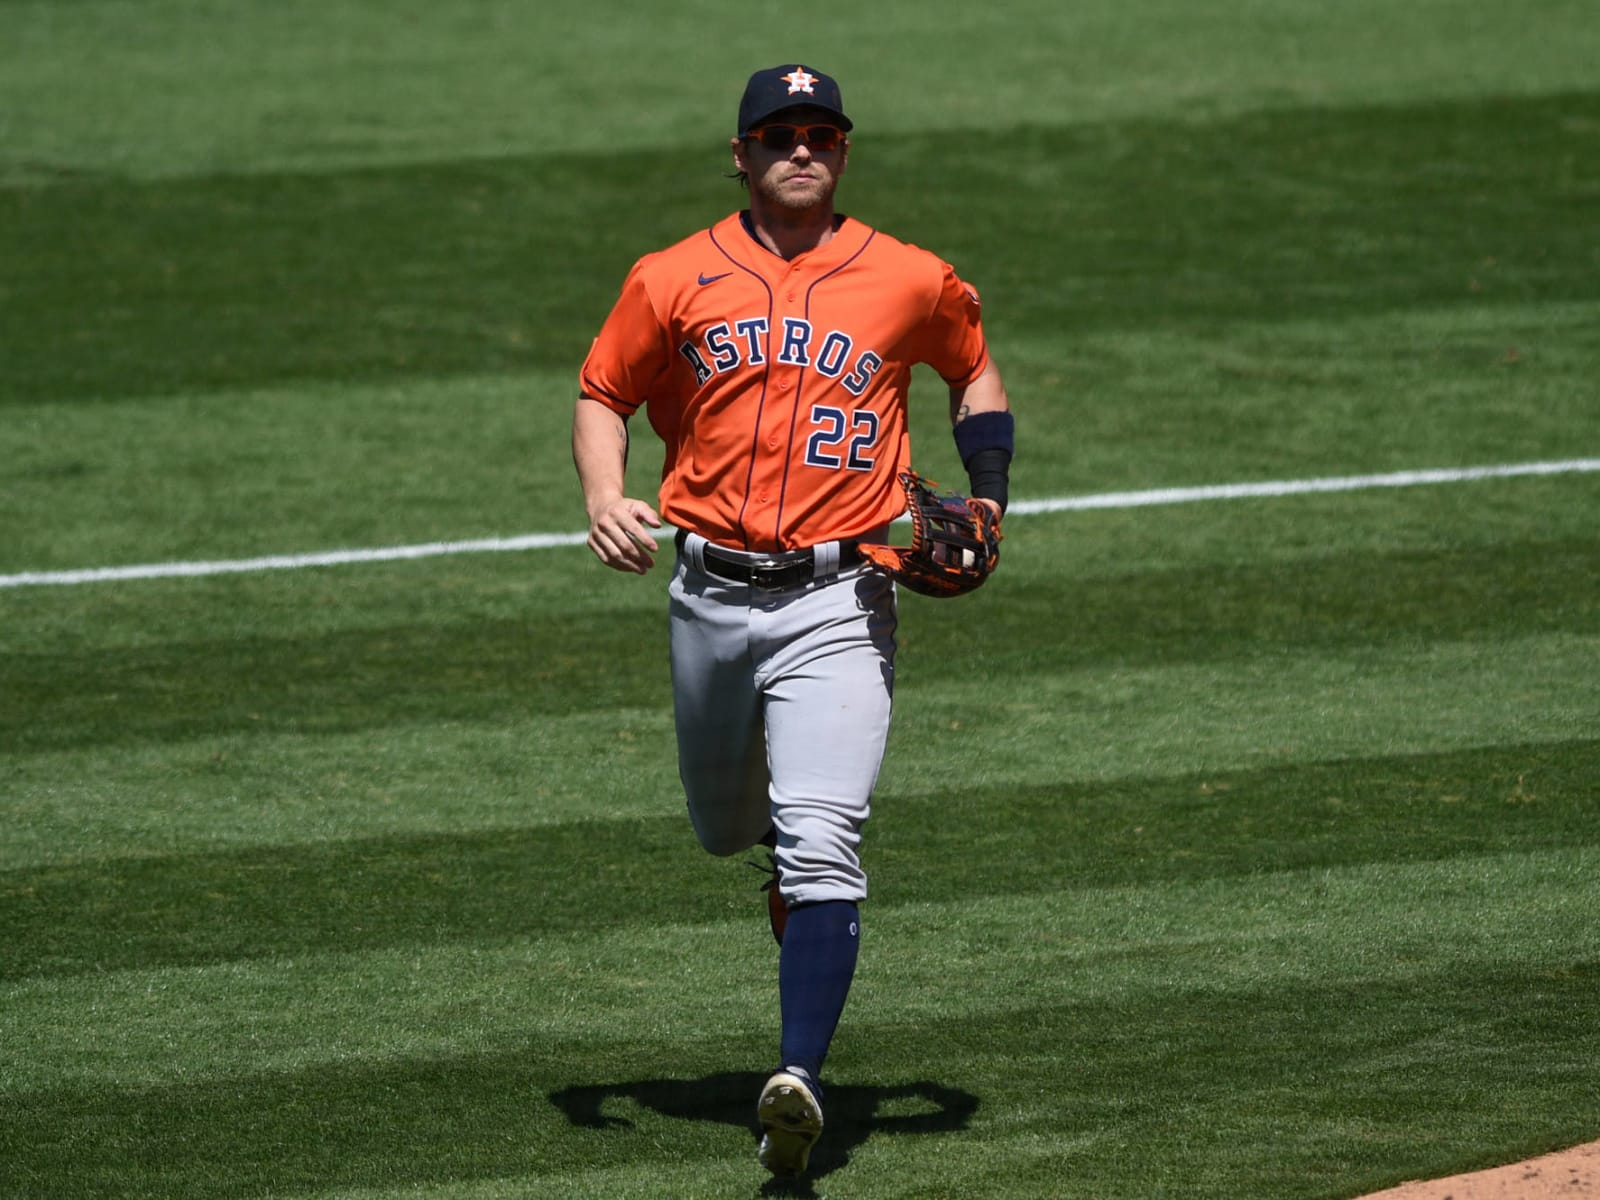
[[1560, 1176]]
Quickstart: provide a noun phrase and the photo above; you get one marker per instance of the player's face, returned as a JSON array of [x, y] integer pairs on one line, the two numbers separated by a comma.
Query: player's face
[[794, 159]]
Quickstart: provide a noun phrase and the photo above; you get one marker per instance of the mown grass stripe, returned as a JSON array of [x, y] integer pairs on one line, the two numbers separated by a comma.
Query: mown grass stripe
[[1231, 936], [547, 541], [491, 887]]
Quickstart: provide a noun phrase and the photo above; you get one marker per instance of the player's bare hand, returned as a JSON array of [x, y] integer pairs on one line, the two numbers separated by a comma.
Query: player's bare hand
[[619, 535]]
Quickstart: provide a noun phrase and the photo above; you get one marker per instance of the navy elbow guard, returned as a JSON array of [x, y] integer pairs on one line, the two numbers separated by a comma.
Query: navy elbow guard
[[986, 442]]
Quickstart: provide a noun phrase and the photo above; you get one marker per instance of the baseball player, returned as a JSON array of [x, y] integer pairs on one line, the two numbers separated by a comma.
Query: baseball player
[[772, 354]]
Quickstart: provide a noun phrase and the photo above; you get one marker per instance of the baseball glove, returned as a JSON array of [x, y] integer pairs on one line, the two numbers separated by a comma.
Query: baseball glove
[[955, 544]]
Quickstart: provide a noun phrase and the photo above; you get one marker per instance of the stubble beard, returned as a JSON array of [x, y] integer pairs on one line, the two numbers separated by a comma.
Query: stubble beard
[[797, 200]]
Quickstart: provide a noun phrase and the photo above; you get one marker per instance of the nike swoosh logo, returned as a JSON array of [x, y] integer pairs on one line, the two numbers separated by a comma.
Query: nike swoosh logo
[[705, 279]]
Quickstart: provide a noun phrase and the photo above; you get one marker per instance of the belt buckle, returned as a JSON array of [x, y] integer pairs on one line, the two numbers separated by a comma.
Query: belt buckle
[[770, 575]]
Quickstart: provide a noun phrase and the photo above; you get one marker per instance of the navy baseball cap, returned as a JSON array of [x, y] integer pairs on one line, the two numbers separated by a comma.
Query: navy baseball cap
[[778, 88]]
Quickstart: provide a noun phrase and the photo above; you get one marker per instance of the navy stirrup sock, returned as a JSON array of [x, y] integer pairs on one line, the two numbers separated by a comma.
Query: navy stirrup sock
[[815, 967]]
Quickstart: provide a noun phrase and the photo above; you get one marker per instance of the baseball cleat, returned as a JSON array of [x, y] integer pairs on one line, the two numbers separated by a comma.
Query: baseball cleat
[[791, 1123], [777, 906]]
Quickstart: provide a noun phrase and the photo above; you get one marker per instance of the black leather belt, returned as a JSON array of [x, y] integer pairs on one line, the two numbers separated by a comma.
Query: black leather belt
[[769, 574]]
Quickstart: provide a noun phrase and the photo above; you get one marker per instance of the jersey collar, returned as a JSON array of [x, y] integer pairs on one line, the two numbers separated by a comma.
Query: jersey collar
[[848, 237]]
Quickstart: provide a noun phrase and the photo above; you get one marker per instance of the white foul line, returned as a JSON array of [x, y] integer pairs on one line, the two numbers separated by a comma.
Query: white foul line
[[290, 562], [544, 541], [1299, 487]]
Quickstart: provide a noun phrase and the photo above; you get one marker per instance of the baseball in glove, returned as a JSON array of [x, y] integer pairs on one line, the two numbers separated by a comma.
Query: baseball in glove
[[955, 544]]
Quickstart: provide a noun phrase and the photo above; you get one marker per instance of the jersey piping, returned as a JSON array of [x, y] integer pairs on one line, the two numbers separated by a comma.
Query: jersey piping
[[805, 376], [766, 375]]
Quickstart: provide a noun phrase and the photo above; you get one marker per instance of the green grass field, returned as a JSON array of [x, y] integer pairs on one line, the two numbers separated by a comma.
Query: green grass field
[[1236, 849]]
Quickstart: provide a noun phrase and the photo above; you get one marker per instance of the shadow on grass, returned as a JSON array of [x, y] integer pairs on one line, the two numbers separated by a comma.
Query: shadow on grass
[[1280, 1090], [410, 1123], [853, 1113]]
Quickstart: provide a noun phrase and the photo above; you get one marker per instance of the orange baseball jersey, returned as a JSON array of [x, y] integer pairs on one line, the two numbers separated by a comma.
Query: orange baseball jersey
[[780, 387]]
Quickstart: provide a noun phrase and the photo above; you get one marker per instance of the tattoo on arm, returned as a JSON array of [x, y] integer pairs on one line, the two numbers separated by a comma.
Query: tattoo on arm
[[963, 413]]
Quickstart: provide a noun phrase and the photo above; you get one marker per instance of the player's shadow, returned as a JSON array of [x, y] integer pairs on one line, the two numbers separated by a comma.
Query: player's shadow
[[853, 1113]]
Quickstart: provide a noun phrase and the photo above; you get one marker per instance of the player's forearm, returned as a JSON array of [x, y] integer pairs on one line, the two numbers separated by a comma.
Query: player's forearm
[[984, 432], [986, 393], [600, 452]]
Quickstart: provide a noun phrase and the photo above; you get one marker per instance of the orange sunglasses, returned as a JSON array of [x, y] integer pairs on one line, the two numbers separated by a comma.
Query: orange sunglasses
[[821, 138]]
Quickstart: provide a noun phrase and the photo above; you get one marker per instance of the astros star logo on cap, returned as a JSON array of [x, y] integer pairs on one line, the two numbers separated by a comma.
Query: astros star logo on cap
[[799, 80]]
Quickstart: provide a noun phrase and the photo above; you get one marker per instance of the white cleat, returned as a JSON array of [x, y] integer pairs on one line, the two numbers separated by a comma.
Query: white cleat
[[791, 1123]]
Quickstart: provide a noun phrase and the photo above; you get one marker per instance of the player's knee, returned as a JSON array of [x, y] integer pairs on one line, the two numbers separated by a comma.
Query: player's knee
[[724, 837], [836, 881], [724, 845], [819, 859]]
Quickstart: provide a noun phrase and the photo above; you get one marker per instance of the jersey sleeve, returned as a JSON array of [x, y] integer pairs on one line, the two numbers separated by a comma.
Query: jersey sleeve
[[630, 352], [952, 340]]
